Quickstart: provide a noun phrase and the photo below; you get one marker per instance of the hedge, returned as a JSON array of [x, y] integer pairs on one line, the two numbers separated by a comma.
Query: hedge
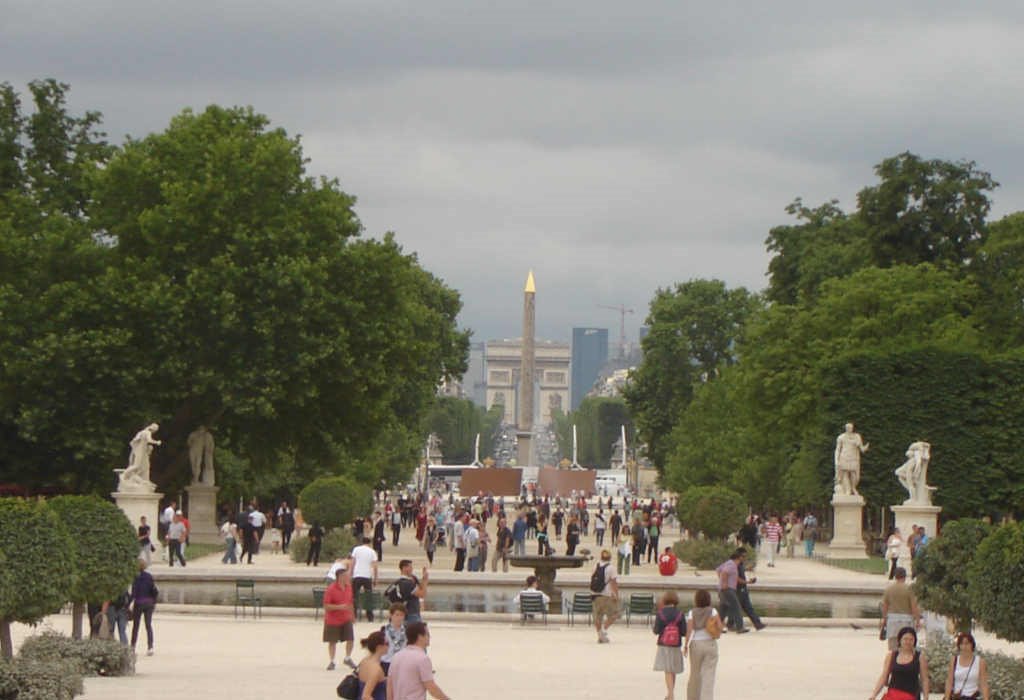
[[967, 405], [337, 543], [92, 657], [334, 501]]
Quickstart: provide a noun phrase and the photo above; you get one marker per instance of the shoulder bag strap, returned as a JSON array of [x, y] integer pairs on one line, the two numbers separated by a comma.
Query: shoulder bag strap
[[968, 674]]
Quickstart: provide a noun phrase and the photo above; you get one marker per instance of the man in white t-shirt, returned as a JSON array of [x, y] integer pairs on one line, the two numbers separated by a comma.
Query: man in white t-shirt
[[364, 573]]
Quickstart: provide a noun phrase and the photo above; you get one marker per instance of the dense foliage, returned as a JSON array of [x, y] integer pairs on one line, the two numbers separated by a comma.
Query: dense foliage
[[902, 316], [996, 576], [337, 543], [598, 421], [714, 510], [334, 501], [940, 570], [457, 422], [104, 550], [201, 276], [36, 565], [93, 657], [703, 554], [24, 679]]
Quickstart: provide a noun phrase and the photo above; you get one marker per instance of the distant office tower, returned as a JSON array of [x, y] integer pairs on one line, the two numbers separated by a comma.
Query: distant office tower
[[589, 355], [474, 381]]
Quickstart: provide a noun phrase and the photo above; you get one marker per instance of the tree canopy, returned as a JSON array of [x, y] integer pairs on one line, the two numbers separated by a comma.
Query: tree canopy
[[201, 276]]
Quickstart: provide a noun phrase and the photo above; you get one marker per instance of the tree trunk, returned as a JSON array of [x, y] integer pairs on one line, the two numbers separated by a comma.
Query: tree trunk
[[6, 645], [77, 613]]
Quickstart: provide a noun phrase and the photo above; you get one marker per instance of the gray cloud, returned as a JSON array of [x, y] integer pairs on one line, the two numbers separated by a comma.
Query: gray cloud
[[613, 148]]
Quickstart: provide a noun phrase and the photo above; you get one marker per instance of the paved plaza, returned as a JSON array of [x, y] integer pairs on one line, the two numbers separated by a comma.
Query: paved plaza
[[206, 656]]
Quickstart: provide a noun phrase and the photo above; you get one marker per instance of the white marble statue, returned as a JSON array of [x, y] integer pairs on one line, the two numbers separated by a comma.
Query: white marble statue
[[135, 477], [200, 456], [849, 448], [913, 474]]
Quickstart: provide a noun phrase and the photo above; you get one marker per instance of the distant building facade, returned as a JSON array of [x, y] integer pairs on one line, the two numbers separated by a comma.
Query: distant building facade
[[502, 365], [589, 355]]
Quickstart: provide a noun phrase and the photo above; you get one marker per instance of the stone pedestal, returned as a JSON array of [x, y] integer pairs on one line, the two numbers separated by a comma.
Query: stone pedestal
[[908, 515], [847, 538], [202, 514], [524, 446], [136, 505]]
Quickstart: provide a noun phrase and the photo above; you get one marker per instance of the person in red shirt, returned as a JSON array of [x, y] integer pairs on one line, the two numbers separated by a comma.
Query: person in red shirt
[[338, 616], [668, 563]]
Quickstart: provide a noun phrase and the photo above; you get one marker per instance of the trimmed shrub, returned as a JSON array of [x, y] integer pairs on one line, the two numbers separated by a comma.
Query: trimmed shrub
[[996, 577], [105, 551], [94, 657], [714, 510], [337, 543], [36, 572], [940, 571], [334, 501], [703, 554], [23, 679]]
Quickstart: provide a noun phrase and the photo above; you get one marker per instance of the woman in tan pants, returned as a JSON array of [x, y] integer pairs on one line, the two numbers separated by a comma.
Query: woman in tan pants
[[703, 627]]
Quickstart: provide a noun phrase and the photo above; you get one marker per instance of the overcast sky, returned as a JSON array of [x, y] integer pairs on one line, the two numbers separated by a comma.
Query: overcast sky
[[613, 147]]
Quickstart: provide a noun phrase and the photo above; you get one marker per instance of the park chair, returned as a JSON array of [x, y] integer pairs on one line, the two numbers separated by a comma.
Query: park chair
[[531, 604], [640, 604], [245, 596], [318, 600], [582, 604], [370, 601]]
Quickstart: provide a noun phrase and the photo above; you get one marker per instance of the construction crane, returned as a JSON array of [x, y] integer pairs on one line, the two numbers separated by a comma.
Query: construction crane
[[623, 310]]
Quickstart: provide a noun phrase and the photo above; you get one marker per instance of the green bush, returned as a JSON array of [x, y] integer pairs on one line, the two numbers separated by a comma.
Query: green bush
[[1005, 673], [23, 679], [337, 543], [996, 578], [703, 554], [334, 501], [106, 558], [714, 510], [94, 657], [940, 571], [35, 565]]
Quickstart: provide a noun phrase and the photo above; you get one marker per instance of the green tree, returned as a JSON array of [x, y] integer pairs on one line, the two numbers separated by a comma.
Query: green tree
[[105, 551], [36, 570], [457, 422], [998, 271], [940, 570], [334, 501], [214, 282], [925, 211], [714, 510], [995, 576], [598, 421], [693, 332]]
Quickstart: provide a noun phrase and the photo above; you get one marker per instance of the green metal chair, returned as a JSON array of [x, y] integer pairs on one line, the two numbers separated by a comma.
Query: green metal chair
[[530, 605], [640, 604], [245, 596], [318, 600], [582, 604]]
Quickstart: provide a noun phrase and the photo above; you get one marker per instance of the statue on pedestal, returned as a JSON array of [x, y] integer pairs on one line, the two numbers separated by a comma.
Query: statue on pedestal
[[200, 456], [849, 448], [135, 477], [913, 474]]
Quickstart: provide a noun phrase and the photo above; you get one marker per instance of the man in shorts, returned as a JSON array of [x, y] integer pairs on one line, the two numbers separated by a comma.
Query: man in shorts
[[606, 603], [338, 616], [899, 608]]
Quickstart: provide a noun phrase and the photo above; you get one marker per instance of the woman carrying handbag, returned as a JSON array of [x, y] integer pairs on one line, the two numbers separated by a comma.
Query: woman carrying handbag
[[968, 672]]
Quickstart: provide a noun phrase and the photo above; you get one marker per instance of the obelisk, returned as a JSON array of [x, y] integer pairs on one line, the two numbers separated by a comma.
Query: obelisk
[[524, 428]]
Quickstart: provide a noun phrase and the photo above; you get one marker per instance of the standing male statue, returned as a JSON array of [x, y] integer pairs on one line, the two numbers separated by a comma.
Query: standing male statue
[[913, 474], [200, 455], [137, 472], [849, 448]]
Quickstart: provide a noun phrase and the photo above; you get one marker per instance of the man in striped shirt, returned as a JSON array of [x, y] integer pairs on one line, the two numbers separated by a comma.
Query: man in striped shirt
[[772, 538]]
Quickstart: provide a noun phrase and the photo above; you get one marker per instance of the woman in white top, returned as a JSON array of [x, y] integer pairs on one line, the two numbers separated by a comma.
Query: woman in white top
[[702, 647], [968, 672]]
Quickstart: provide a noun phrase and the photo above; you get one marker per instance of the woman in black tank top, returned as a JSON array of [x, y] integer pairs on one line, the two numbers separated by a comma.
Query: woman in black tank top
[[905, 671]]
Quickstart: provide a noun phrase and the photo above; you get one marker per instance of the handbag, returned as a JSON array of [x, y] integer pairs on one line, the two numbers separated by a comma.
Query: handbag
[[881, 630], [349, 687]]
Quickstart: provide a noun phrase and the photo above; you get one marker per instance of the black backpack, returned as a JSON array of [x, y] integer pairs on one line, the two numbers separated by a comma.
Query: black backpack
[[597, 579]]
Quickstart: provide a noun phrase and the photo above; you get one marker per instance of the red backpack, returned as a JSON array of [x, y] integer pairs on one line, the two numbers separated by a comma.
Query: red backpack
[[671, 634]]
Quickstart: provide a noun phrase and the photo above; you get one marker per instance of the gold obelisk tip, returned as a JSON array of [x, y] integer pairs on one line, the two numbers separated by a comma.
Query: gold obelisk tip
[[530, 287]]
